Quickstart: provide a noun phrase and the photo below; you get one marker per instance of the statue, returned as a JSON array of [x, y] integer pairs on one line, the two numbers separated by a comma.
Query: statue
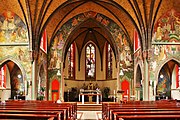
[[90, 86]]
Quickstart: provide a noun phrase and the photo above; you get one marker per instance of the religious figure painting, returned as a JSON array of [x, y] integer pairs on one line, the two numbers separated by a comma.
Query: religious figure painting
[[116, 32], [168, 27], [12, 28]]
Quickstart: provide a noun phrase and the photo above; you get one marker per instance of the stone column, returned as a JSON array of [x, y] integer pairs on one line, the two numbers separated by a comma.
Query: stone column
[[61, 78], [146, 77], [34, 55]]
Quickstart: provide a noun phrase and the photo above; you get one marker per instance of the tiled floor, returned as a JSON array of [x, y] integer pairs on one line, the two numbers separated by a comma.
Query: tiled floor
[[89, 115]]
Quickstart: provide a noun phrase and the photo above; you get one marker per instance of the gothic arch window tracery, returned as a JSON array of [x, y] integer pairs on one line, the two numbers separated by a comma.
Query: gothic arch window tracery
[[3, 77], [90, 61], [71, 61], [108, 61]]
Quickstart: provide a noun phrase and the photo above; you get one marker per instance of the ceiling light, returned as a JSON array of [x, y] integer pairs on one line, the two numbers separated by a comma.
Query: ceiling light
[[19, 76]]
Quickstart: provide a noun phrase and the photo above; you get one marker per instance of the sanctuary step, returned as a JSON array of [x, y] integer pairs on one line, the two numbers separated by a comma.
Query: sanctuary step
[[89, 106]]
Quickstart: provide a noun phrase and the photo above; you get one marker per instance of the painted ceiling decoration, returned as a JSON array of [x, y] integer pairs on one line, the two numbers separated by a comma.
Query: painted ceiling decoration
[[90, 26]]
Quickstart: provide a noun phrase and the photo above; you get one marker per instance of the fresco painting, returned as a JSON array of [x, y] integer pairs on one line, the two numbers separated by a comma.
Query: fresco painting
[[67, 28], [167, 27], [167, 33], [18, 53], [169, 22], [12, 29], [163, 86]]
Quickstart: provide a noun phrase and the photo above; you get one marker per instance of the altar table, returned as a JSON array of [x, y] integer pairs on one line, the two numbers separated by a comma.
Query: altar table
[[91, 94]]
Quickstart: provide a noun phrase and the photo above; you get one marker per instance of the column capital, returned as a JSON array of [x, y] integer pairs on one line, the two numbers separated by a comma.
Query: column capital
[[147, 54], [33, 55]]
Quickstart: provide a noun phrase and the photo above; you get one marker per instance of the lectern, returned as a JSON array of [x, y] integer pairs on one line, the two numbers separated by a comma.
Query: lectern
[[120, 92]]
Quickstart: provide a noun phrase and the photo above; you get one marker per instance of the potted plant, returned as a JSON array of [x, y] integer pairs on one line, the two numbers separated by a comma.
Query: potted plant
[[106, 92], [41, 94]]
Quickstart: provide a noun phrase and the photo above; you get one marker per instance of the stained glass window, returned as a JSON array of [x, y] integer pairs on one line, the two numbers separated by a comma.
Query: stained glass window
[[43, 44], [71, 61], [108, 61], [90, 61], [3, 77], [178, 76]]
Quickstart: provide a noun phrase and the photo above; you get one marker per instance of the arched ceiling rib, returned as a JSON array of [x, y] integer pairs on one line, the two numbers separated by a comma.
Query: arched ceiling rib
[[52, 14], [89, 30]]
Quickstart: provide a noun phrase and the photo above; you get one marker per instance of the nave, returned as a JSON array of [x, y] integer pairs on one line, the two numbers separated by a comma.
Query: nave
[[48, 50], [65, 50]]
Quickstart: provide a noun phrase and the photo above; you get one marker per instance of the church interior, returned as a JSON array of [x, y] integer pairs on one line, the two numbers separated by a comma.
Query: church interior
[[89, 52]]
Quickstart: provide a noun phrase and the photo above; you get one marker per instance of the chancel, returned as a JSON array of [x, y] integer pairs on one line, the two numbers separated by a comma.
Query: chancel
[[66, 59], [91, 93]]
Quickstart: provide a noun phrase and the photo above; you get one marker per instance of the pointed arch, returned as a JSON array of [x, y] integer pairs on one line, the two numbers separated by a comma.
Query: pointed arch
[[137, 88], [164, 77], [17, 79], [9, 58], [137, 67], [99, 29], [42, 78], [163, 63], [90, 64]]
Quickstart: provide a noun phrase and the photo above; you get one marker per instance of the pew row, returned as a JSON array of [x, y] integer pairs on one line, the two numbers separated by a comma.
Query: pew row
[[56, 111], [113, 110]]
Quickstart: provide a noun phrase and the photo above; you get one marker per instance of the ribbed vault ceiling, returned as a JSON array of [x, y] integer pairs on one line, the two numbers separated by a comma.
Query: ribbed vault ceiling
[[52, 14]]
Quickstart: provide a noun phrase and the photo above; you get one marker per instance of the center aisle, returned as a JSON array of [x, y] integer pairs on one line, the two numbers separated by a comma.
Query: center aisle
[[89, 115], [89, 111]]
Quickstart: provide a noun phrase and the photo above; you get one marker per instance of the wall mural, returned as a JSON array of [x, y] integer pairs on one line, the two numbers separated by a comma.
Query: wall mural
[[18, 53], [12, 29], [167, 30], [42, 80], [54, 57], [163, 86]]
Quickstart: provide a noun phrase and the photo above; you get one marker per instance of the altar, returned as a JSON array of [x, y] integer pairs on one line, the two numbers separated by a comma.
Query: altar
[[90, 94]]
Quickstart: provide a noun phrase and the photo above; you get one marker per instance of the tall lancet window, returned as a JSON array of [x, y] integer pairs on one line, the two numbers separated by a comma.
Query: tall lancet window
[[3, 77], [90, 62], [71, 61], [178, 79], [108, 61]]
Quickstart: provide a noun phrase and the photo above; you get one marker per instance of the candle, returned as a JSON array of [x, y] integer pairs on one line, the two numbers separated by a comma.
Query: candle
[[114, 92]]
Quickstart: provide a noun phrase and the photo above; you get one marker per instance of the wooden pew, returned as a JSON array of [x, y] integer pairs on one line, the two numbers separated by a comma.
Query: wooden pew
[[148, 117], [67, 110], [62, 110], [118, 115], [141, 111], [56, 115], [108, 109], [27, 116]]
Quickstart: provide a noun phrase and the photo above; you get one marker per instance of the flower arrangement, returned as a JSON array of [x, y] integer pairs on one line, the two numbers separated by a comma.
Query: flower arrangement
[[41, 93], [106, 91]]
